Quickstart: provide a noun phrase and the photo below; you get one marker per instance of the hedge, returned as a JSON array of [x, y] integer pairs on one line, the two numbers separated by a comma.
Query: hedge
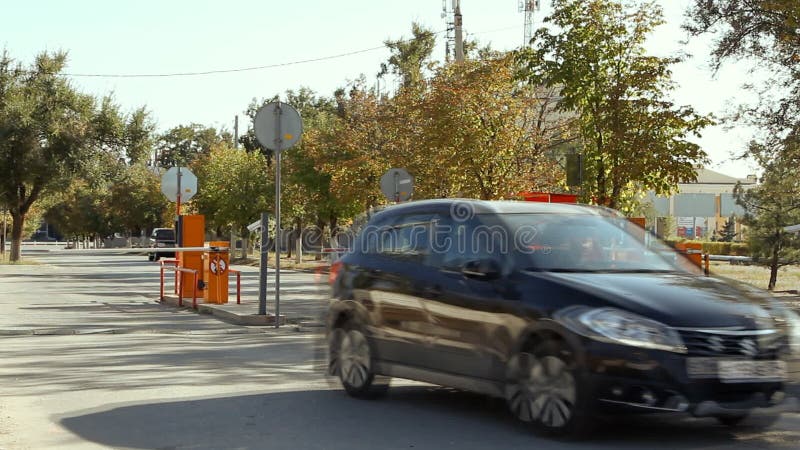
[[717, 248]]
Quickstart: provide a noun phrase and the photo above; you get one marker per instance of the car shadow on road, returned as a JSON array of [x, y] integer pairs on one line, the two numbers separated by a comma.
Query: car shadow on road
[[419, 417]]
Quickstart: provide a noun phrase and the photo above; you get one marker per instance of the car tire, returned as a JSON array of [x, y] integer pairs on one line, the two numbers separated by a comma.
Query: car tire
[[151, 256], [546, 387], [747, 421], [156, 257], [350, 358]]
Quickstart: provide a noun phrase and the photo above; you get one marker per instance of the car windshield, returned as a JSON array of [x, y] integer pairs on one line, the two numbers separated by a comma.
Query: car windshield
[[589, 243], [164, 235]]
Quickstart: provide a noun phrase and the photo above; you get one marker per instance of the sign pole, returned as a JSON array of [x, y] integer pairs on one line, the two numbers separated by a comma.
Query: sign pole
[[278, 234], [178, 195], [278, 126], [263, 258]]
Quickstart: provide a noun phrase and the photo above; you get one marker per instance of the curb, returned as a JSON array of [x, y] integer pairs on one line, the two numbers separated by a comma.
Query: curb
[[239, 319]]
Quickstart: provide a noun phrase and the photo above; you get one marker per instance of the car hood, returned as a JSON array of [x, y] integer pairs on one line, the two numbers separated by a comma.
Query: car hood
[[678, 300]]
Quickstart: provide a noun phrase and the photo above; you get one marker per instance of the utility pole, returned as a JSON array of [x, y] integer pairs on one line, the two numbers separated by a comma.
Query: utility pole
[[449, 39], [236, 131], [459, 35]]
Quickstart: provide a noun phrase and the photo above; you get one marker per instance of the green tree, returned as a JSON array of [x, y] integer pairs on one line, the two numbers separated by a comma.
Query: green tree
[[234, 188], [45, 128], [183, 144], [487, 150], [763, 29], [358, 144], [765, 32], [728, 232], [136, 202], [410, 56], [632, 136], [773, 205]]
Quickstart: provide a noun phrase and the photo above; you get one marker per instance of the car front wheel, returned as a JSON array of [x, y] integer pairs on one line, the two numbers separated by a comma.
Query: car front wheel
[[543, 387], [350, 357]]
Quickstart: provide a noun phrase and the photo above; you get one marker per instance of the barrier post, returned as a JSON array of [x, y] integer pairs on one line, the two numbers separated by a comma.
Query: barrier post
[[161, 294], [238, 285]]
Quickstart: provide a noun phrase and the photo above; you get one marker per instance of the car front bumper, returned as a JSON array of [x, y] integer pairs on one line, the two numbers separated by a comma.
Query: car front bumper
[[633, 379]]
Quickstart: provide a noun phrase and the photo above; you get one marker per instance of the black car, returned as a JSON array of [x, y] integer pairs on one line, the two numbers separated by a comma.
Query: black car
[[565, 311], [161, 238]]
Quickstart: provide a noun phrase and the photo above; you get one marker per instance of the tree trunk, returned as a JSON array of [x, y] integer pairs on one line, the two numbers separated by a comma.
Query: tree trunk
[[773, 268], [17, 225]]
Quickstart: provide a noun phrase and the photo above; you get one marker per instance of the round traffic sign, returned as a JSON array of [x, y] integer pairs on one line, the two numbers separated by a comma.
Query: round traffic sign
[[397, 185], [278, 126], [170, 184]]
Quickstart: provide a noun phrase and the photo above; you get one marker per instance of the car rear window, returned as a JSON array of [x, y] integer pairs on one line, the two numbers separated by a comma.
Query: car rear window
[[165, 235]]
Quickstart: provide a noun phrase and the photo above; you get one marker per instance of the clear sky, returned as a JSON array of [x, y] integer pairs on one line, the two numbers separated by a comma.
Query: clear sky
[[178, 36]]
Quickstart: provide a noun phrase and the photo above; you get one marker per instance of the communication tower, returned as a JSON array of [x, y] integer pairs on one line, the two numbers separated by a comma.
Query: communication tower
[[528, 7]]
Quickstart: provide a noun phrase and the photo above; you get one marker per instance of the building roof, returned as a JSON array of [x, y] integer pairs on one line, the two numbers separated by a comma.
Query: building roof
[[708, 176]]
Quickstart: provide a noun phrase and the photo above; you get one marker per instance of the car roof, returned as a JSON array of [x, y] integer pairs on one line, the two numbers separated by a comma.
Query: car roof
[[493, 207]]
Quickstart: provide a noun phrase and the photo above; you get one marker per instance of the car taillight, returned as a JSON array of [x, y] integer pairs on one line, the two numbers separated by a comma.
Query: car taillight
[[336, 267]]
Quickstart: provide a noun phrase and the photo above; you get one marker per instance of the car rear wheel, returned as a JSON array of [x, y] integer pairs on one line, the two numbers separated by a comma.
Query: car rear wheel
[[151, 256], [350, 357], [543, 387]]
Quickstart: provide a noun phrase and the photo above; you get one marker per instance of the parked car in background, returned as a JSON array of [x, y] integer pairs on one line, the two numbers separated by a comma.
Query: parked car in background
[[565, 311], [161, 238]]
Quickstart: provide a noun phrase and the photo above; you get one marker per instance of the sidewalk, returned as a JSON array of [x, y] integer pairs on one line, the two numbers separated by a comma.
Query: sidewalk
[[303, 302]]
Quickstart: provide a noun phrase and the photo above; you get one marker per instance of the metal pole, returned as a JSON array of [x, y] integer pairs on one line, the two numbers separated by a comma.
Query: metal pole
[[236, 131], [178, 196], [397, 187], [278, 148], [263, 257], [457, 20]]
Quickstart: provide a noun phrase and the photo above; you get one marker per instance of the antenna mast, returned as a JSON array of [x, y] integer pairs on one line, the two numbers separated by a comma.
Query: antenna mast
[[450, 39], [528, 7]]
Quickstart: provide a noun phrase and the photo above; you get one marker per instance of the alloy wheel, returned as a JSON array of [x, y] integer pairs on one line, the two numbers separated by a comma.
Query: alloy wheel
[[354, 359], [541, 390]]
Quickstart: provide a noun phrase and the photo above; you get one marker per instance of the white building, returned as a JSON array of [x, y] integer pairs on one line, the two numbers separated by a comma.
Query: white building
[[701, 208]]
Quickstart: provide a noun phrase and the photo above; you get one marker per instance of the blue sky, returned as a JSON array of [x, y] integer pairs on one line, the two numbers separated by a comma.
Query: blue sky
[[157, 37]]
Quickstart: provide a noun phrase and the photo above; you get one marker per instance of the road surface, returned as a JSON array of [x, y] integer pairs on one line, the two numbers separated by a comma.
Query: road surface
[[89, 360]]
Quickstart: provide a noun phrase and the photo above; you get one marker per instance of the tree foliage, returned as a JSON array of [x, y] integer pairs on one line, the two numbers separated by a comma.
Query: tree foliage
[[632, 135], [765, 32], [772, 205], [183, 144], [234, 187], [410, 56], [46, 126]]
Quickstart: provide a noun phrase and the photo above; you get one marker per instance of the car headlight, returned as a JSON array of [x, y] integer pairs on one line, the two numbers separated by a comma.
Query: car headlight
[[160, 244], [621, 327]]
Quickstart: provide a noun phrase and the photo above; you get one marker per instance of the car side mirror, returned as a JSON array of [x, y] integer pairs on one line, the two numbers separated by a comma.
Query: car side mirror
[[482, 269]]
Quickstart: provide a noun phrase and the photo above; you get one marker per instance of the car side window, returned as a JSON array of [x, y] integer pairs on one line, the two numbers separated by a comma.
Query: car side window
[[456, 242], [405, 237]]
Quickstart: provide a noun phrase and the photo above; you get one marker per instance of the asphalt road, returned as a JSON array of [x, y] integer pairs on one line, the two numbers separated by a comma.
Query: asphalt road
[[89, 360]]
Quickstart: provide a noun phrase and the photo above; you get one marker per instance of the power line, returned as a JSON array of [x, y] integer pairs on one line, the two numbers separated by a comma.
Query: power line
[[243, 69], [212, 72]]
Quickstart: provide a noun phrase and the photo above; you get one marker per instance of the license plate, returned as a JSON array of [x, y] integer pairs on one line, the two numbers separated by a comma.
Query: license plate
[[751, 371], [736, 370]]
